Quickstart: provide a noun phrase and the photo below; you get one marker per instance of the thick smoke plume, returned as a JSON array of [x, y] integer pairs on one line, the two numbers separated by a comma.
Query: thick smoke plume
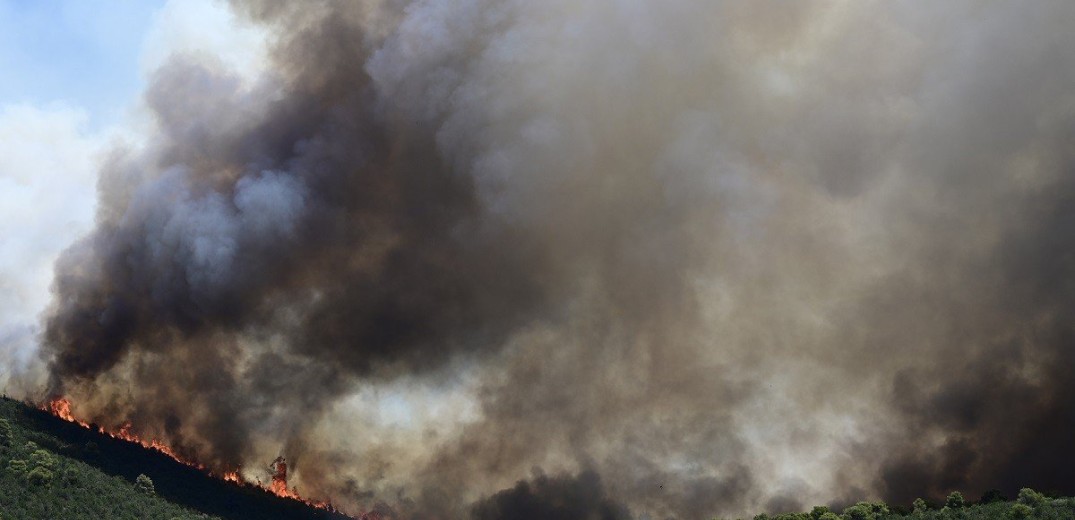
[[707, 257], [567, 498]]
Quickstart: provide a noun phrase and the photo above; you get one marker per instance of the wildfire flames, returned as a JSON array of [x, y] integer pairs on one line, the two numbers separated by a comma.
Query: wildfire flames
[[61, 407]]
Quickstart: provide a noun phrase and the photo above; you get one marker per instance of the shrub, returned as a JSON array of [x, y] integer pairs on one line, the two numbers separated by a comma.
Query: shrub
[[39, 476], [70, 476], [7, 435], [41, 459], [144, 484], [1020, 512], [866, 511], [954, 500], [948, 513], [1030, 497], [17, 466]]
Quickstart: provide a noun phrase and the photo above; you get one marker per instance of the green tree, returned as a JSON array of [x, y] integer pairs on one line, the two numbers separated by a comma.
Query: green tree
[[1020, 512], [954, 500], [818, 511], [1030, 497], [792, 516], [866, 511], [7, 435], [920, 506], [17, 466], [39, 476], [41, 459], [70, 476], [144, 484]]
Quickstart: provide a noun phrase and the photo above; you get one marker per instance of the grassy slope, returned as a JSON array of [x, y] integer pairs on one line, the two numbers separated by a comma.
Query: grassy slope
[[93, 477]]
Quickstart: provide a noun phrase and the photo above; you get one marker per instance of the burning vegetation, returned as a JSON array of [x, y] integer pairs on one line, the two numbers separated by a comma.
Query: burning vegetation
[[61, 407]]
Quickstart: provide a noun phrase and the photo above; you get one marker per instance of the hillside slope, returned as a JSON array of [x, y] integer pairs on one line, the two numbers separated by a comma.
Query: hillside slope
[[50, 468]]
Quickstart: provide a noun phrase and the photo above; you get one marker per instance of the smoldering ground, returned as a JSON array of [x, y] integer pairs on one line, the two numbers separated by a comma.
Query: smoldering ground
[[692, 258]]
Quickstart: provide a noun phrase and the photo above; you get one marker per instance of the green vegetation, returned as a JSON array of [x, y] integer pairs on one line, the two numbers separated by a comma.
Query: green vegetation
[[52, 469], [144, 484], [954, 501], [1030, 505], [38, 481]]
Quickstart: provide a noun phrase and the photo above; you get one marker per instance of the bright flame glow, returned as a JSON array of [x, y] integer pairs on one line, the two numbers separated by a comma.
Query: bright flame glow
[[61, 407]]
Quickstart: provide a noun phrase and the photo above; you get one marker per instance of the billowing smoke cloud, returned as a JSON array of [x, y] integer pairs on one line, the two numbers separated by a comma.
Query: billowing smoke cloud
[[729, 257], [579, 498]]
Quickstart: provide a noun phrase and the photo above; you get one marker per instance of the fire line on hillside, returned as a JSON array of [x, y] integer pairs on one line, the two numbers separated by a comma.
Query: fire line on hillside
[[61, 407]]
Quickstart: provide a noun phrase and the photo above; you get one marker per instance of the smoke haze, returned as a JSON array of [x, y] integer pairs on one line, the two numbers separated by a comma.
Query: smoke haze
[[596, 260]]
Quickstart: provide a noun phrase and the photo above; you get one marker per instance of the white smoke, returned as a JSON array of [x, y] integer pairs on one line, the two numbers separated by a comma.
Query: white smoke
[[47, 174]]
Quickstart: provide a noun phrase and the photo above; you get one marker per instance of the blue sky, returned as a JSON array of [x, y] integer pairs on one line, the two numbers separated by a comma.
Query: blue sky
[[71, 77], [80, 53]]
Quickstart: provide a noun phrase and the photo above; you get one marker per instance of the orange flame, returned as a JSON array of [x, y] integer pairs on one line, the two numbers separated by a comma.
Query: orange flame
[[61, 407]]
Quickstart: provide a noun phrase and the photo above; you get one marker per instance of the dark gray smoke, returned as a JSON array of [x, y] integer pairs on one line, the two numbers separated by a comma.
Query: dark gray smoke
[[567, 498], [728, 256]]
